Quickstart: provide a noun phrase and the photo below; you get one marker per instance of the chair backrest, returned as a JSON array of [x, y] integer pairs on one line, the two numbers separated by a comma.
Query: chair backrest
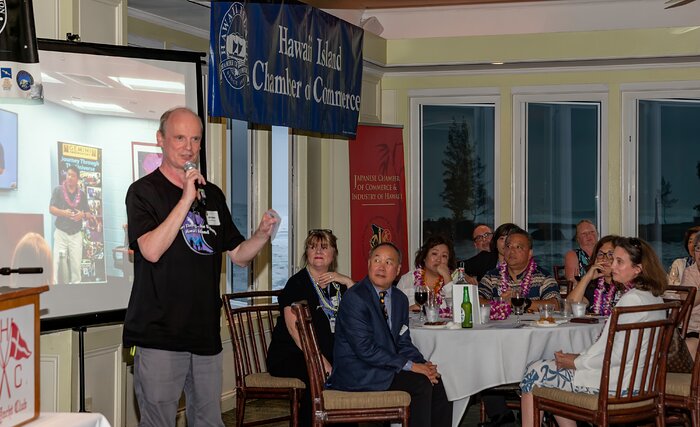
[[641, 345], [558, 271], [250, 327], [309, 344], [687, 295]]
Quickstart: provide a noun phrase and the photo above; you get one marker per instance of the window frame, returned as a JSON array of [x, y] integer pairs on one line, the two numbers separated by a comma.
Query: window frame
[[522, 96], [443, 97], [631, 94]]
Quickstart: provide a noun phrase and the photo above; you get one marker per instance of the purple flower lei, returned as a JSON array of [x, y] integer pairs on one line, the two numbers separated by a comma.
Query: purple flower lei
[[602, 297], [419, 276], [71, 203], [524, 284]]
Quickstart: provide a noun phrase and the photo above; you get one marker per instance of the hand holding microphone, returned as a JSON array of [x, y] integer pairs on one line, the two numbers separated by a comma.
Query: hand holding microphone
[[201, 195]]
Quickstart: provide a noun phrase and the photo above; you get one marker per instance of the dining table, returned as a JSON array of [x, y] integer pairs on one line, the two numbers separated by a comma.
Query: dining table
[[495, 353]]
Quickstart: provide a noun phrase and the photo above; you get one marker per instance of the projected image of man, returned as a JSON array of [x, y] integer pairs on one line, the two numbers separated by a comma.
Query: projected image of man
[[178, 226], [69, 206]]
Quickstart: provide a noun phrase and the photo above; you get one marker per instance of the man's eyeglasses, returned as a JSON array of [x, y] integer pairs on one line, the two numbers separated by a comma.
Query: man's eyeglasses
[[320, 230], [605, 255], [482, 237]]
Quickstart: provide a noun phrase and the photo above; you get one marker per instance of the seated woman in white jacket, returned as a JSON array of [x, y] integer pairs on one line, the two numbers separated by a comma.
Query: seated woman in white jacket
[[636, 266], [435, 261]]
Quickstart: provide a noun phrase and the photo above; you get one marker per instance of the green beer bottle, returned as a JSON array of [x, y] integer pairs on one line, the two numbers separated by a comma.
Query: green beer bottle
[[466, 310]]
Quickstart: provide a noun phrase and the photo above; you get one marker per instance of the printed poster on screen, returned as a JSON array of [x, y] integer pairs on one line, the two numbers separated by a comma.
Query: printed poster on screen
[[17, 365], [88, 160], [285, 65]]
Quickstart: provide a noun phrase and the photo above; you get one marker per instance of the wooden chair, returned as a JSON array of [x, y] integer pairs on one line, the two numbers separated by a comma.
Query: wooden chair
[[683, 390], [687, 296], [332, 406], [250, 326], [616, 403], [558, 271]]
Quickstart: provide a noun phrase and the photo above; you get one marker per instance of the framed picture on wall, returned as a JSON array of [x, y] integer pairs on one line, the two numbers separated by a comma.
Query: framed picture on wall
[[145, 157]]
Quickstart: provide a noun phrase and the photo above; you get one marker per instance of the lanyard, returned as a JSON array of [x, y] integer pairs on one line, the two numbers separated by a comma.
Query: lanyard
[[328, 303]]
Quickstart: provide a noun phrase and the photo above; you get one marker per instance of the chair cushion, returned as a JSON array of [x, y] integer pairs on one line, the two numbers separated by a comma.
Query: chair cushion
[[678, 384], [263, 379], [582, 400], [334, 399]]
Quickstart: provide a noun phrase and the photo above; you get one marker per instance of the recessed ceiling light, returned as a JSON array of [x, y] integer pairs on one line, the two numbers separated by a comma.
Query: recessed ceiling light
[[97, 106], [151, 85], [497, 63]]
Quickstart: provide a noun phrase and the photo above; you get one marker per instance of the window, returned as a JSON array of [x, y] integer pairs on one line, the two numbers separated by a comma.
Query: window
[[242, 181], [281, 173], [557, 171], [668, 173], [239, 196], [456, 170]]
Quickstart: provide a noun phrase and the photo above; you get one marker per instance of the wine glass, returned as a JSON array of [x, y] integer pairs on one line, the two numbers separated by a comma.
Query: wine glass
[[517, 300], [674, 276], [421, 297]]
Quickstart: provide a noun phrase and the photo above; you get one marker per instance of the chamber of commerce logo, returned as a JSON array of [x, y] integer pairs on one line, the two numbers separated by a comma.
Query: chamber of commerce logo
[[3, 15], [13, 349], [233, 47], [194, 229]]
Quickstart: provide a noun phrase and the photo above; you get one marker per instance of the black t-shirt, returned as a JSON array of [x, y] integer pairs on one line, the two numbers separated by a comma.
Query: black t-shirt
[[480, 263], [299, 287], [64, 224], [175, 302]]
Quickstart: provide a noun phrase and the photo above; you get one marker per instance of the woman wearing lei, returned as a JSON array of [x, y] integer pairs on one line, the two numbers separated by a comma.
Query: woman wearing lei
[[596, 287], [322, 287], [435, 261]]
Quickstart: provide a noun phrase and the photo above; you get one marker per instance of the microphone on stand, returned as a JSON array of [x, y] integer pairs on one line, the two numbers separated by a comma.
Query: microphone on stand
[[200, 187]]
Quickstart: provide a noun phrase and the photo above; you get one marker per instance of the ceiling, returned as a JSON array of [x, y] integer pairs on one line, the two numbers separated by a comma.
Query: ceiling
[[414, 19], [393, 4]]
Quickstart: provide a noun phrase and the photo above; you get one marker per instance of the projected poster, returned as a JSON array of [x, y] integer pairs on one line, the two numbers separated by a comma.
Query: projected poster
[[78, 239]]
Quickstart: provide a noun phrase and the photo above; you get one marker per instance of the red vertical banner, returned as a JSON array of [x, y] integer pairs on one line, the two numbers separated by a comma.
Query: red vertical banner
[[377, 194]]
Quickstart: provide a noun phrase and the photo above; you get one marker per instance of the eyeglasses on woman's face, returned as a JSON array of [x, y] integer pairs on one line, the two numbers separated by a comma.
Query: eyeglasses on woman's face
[[605, 255]]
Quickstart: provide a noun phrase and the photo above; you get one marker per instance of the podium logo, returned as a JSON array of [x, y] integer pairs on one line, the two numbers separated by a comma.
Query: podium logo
[[13, 349]]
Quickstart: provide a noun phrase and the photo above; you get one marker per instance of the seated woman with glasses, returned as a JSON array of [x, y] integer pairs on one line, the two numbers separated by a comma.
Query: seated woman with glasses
[[679, 265], [597, 288], [577, 260], [435, 261], [322, 287], [636, 266], [691, 277]]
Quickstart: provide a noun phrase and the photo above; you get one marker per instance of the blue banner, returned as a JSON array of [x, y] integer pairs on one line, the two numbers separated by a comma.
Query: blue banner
[[285, 65]]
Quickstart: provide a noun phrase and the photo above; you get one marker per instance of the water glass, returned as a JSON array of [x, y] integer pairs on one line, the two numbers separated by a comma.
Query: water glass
[[485, 313], [432, 312], [578, 309], [546, 311]]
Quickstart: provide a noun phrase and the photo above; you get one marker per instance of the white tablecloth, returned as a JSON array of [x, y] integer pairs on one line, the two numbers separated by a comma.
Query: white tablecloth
[[471, 360], [69, 419]]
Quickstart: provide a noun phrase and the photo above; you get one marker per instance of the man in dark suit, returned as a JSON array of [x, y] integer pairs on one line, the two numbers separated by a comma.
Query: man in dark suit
[[373, 349]]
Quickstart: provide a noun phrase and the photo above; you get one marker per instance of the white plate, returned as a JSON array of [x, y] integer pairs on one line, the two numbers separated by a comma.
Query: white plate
[[544, 325], [433, 326]]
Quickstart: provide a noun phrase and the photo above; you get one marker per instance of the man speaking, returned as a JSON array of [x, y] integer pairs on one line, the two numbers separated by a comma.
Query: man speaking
[[175, 305]]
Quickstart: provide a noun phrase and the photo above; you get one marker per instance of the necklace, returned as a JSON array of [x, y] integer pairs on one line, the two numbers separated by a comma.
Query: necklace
[[603, 297], [419, 276], [328, 303], [524, 284], [72, 203]]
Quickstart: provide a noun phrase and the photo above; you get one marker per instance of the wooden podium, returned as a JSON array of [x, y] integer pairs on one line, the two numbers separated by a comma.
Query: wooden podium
[[19, 354]]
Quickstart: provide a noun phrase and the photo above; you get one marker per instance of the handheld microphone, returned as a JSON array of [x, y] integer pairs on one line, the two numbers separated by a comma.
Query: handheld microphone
[[200, 187], [6, 271]]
